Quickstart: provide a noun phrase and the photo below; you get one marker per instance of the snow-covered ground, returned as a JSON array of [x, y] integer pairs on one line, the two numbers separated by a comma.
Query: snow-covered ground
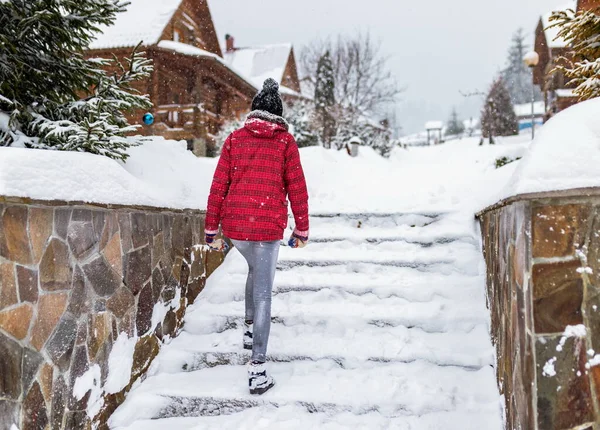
[[379, 324]]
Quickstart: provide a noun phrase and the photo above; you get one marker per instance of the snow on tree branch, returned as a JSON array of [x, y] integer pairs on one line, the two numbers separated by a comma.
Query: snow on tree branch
[[581, 31]]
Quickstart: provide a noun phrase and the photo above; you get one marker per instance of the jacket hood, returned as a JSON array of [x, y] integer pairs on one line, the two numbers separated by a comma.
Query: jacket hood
[[264, 124]]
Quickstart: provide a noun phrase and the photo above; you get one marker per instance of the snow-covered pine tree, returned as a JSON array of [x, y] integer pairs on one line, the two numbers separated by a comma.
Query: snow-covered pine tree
[[227, 128], [301, 116], [325, 98], [498, 116], [52, 93], [582, 32], [517, 75], [454, 126]]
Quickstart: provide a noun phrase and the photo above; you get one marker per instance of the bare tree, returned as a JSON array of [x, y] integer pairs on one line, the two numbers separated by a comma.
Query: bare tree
[[363, 82]]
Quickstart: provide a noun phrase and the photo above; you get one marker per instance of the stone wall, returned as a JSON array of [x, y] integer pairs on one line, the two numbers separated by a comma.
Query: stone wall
[[73, 278], [543, 283]]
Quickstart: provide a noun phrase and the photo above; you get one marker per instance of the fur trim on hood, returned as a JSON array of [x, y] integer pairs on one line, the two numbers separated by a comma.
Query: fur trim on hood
[[267, 116]]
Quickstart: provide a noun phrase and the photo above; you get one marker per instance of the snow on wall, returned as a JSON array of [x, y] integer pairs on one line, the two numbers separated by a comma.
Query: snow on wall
[[564, 155], [159, 173], [144, 21]]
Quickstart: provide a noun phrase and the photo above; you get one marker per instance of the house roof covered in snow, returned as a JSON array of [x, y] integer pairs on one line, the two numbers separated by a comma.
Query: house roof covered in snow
[[192, 51], [260, 63], [524, 110], [555, 42], [143, 21], [434, 125]]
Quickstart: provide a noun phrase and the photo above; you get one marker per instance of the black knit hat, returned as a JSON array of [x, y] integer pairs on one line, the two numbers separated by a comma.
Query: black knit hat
[[269, 99]]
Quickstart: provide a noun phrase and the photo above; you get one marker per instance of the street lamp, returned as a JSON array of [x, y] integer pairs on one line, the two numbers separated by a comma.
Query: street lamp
[[531, 60]]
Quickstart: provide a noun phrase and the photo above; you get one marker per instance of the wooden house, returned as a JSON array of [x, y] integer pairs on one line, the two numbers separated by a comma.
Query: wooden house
[[268, 61], [558, 93], [193, 88]]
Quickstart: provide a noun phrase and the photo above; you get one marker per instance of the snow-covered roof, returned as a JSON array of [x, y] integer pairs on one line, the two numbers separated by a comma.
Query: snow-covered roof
[[564, 155], [144, 21], [524, 110], [434, 125], [552, 32], [260, 63], [192, 51]]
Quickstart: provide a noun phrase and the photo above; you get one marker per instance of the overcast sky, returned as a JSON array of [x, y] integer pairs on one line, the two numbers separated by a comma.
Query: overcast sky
[[436, 47]]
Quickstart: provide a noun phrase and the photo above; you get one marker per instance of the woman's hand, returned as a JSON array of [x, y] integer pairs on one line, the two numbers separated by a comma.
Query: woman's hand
[[216, 244], [297, 241]]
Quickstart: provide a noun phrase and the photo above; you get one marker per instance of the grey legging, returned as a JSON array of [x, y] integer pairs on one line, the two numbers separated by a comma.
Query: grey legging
[[262, 263]]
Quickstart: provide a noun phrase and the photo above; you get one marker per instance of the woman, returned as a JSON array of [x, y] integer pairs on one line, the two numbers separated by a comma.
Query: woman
[[258, 170]]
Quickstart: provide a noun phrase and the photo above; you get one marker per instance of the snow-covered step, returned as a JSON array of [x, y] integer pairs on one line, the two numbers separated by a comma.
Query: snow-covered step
[[293, 417], [392, 389], [432, 318], [433, 230], [337, 272], [330, 303], [344, 342], [385, 252], [416, 291], [385, 268], [374, 218]]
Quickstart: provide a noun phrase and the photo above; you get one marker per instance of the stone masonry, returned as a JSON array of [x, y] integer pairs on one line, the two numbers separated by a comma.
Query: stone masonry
[[543, 259], [73, 277]]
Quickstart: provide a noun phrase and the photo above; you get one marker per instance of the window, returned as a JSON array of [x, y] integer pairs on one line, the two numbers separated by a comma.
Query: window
[[176, 36]]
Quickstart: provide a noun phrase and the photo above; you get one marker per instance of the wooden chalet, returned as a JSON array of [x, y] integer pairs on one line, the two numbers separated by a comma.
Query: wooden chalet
[[558, 93], [193, 88], [268, 61]]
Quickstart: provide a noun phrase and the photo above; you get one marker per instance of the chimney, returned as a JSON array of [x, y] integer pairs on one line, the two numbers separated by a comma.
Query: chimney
[[229, 43]]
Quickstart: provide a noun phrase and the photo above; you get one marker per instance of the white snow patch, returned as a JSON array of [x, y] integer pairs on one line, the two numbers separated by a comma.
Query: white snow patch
[[159, 173], [549, 370], [120, 363], [595, 361], [571, 331], [90, 381], [564, 155]]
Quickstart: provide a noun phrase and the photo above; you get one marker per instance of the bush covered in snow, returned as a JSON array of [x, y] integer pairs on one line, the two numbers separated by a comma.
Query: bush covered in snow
[[53, 96]]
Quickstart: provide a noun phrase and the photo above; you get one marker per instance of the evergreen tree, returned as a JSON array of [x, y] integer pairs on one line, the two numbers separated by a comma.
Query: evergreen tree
[[582, 32], [517, 75], [52, 93], [301, 116], [455, 127], [325, 98], [498, 116], [370, 133]]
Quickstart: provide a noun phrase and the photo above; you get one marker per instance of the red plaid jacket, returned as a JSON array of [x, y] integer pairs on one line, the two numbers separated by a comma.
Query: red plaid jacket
[[258, 169]]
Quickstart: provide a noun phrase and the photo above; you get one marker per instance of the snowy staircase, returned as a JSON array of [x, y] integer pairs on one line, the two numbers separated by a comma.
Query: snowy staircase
[[379, 324]]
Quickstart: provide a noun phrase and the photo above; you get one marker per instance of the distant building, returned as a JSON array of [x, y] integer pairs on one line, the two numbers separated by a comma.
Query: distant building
[[434, 132], [558, 92], [523, 112]]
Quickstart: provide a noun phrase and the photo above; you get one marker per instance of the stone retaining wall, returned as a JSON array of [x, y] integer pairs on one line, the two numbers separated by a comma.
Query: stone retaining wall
[[543, 283], [73, 278]]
